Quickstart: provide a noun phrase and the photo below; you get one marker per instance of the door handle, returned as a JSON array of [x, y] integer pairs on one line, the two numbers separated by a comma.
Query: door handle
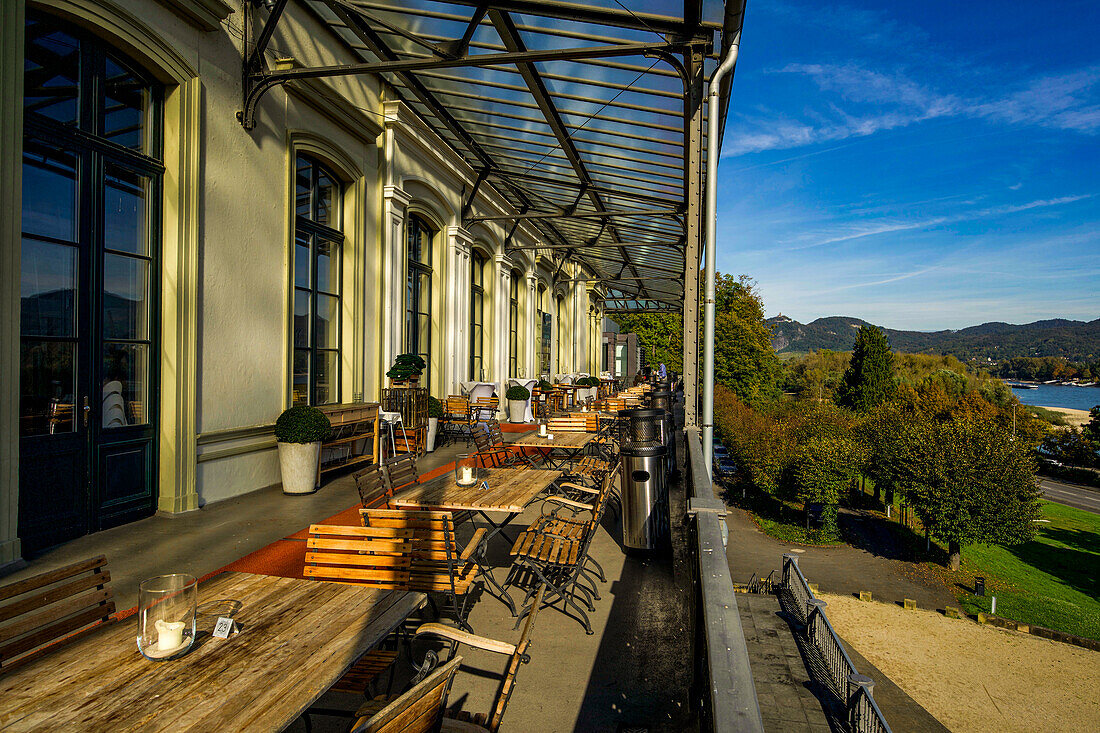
[[87, 409]]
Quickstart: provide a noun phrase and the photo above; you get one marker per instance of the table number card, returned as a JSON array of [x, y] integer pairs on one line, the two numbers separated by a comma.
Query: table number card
[[223, 628]]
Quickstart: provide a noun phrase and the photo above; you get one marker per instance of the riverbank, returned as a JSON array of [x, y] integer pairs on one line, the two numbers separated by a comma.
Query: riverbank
[[1076, 418]]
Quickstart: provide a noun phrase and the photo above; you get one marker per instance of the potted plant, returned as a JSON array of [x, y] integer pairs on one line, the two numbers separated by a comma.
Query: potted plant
[[406, 368], [435, 411], [517, 396], [298, 433], [589, 384]]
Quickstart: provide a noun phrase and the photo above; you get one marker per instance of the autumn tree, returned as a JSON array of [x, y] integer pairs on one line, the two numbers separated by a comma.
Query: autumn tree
[[869, 379], [968, 481], [824, 467]]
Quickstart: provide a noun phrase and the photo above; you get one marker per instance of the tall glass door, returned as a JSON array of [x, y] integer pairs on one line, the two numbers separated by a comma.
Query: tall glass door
[[91, 183]]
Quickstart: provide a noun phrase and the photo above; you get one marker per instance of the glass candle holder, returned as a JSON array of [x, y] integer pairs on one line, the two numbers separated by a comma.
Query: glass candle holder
[[465, 470], [166, 615]]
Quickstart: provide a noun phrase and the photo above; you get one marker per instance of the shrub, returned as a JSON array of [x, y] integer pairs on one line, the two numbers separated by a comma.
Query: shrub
[[435, 407], [405, 366], [517, 392], [544, 385], [589, 382], [302, 424]]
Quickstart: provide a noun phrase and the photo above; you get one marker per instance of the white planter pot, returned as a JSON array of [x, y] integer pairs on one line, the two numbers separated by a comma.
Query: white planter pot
[[433, 428], [298, 465], [517, 410]]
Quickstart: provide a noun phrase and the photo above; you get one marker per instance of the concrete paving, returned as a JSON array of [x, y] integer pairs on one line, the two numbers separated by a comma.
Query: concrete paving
[[790, 700], [839, 569]]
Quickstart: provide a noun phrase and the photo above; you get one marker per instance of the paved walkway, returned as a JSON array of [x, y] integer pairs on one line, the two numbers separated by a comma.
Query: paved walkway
[[790, 701], [837, 569]]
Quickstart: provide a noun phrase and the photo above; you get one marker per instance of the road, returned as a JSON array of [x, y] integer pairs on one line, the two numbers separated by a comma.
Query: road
[[1071, 495]]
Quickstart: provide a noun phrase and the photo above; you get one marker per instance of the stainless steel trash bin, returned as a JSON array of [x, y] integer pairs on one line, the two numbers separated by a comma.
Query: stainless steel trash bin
[[643, 478], [645, 496]]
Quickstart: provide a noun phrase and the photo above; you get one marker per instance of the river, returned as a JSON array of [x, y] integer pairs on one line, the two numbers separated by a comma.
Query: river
[[1056, 395]]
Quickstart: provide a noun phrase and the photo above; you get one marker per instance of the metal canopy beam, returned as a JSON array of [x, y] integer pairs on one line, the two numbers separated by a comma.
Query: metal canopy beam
[[578, 215], [589, 14]]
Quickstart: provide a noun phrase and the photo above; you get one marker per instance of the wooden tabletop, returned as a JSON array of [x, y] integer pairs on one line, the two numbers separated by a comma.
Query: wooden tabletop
[[561, 440], [297, 637], [510, 491]]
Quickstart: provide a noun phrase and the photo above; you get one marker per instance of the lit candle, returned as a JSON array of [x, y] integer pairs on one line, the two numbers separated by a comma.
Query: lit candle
[[467, 474], [542, 430], [169, 635]]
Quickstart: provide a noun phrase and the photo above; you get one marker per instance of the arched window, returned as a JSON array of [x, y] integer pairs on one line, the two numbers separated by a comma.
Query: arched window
[[513, 324], [418, 289], [477, 313], [562, 319], [317, 256]]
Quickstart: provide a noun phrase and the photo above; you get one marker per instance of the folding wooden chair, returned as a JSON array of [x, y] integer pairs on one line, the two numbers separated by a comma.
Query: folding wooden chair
[[556, 550], [420, 710], [53, 608], [517, 654], [494, 453], [374, 491], [458, 418], [438, 565]]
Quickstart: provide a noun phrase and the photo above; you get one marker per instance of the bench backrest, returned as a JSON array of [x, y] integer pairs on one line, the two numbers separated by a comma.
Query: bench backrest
[[371, 556], [56, 606], [417, 711], [372, 486], [401, 472], [584, 423]]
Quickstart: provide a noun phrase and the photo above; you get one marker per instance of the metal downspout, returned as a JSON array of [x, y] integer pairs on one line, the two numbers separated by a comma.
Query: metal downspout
[[712, 246]]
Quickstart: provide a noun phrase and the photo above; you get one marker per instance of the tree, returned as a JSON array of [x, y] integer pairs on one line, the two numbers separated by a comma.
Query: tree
[[969, 482], [1092, 428], [744, 360], [825, 466], [869, 380]]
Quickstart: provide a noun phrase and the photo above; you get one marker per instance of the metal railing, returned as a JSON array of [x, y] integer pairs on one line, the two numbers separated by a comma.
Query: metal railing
[[724, 678], [854, 689]]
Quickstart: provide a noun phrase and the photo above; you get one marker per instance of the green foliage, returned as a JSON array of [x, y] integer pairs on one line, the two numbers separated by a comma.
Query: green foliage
[[302, 424], [517, 392], [1071, 446], [968, 481], [1091, 429], [589, 382], [544, 385], [405, 366], [435, 407], [869, 379], [1046, 368], [824, 467]]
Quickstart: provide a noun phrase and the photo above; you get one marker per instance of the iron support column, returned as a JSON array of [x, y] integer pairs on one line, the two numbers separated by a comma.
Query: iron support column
[[693, 188]]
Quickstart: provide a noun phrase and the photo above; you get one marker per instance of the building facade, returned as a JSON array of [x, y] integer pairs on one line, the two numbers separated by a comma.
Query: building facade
[[172, 281]]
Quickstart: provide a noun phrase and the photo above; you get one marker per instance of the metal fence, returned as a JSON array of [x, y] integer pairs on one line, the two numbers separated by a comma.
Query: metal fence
[[723, 674], [855, 689]]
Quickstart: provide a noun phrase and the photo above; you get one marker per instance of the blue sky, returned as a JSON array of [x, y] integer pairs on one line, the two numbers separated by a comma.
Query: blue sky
[[919, 165]]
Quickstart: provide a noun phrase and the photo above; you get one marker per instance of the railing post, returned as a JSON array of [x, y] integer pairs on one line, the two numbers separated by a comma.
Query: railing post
[[788, 560], [856, 684], [813, 603]]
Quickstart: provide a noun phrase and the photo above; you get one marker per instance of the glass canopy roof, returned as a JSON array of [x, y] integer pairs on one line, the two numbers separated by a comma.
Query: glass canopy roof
[[577, 114]]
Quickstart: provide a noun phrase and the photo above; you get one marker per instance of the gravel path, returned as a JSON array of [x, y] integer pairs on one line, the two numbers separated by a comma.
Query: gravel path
[[971, 677]]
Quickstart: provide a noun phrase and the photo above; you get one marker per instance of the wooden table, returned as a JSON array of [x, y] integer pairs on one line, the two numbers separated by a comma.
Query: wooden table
[[297, 638], [571, 391], [510, 491], [570, 444]]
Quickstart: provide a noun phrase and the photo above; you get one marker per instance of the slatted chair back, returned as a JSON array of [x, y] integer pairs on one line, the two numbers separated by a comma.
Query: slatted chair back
[[432, 533], [372, 486], [495, 433], [401, 473], [372, 556], [576, 423], [419, 710], [457, 410], [54, 607]]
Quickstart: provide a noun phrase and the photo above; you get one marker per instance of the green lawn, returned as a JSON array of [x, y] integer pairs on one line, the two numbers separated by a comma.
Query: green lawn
[[1052, 581]]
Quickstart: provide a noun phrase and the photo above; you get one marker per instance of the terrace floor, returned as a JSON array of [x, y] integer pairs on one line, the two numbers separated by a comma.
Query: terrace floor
[[633, 673]]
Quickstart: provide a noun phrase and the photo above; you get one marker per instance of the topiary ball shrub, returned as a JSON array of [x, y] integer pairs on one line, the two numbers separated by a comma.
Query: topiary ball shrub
[[517, 392], [302, 424], [435, 407], [405, 366], [544, 385], [589, 382]]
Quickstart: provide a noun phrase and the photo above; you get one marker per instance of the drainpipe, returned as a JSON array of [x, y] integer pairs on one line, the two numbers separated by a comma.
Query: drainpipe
[[712, 245]]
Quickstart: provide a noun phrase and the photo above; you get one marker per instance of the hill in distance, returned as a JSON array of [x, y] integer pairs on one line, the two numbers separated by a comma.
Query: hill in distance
[[1072, 340]]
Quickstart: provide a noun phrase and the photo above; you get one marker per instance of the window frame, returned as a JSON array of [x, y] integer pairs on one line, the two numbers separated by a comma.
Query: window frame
[[513, 324], [316, 233], [418, 272], [478, 262]]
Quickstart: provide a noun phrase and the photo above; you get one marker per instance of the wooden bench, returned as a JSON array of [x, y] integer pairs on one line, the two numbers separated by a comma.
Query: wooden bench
[[53, 608], [354, 437], [588, 422]]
